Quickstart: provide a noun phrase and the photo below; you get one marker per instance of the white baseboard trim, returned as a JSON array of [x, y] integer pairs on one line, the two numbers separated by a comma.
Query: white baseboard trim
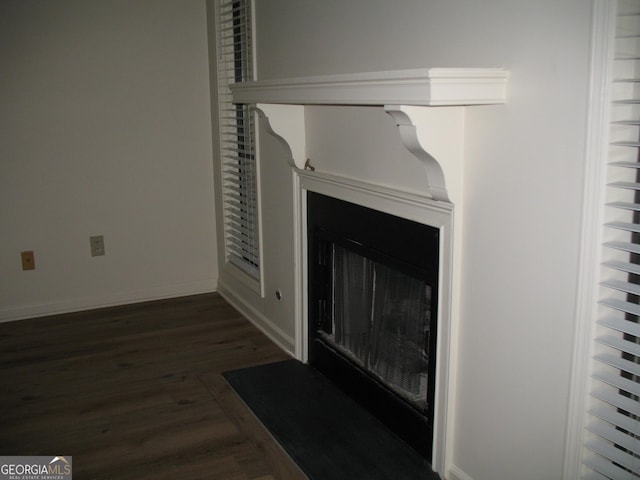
[[266, 326], [21, 312], [456, 473]]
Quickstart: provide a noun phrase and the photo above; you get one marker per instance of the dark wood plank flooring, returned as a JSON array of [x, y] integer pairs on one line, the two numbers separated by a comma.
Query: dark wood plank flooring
[[135, 392]]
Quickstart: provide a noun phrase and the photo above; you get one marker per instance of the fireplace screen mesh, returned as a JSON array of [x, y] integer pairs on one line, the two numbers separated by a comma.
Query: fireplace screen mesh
[[381, 319]]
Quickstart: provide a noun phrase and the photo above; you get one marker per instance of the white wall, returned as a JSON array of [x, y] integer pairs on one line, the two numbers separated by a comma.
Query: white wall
[[104, 129], [522, 192], [274, 316]]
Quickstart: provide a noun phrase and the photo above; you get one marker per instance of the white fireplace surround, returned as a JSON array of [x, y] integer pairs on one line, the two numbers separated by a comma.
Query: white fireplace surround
[[428, 108]]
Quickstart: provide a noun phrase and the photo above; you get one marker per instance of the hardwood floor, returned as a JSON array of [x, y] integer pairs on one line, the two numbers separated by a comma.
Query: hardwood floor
[[135, 392]]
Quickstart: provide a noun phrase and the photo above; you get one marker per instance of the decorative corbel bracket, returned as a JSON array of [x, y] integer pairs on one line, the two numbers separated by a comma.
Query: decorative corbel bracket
[[286, 124], [406, 124]]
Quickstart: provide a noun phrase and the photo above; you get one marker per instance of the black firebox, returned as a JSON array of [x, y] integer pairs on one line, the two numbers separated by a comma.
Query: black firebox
[[373, 293]]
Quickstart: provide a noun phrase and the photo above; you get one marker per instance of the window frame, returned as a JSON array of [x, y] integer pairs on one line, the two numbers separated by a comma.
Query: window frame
[[238, 167]]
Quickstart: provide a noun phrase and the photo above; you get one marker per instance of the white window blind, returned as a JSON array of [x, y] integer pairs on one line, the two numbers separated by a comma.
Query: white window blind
[[613, 440], [237, 151]]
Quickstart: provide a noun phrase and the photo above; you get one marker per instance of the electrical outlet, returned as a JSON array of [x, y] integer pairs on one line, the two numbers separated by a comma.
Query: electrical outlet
[[97, 245], [28, 261]]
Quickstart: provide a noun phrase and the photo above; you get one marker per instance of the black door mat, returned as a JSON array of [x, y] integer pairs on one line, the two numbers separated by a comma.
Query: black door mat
[[323, 430]]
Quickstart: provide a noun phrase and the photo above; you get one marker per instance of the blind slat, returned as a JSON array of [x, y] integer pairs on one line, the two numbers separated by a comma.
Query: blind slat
[[619, 363], [629, 227], [626, 122], [616, 400], [606, 468], [237, 205], [243, 244], [594, 476], [619, 344], [242, 250], [618, 437], [624, 326], [242, 264], [626, 144], [239, 196], [618, 382], [241, 239], [623, 266], [627, 287], [621, 305], [239, 230], [625, 205], [617, 455], [624, 246], [626, 185]]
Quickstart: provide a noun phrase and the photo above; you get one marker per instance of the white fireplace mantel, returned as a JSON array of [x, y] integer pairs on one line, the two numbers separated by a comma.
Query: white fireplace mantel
[[425, 87], [416, 99], [428, 107]]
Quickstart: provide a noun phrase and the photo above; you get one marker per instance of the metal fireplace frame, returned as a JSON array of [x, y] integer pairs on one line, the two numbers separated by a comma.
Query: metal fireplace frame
[[405, 246]]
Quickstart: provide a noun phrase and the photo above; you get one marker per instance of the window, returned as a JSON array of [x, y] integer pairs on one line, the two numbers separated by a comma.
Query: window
[[236, 129], [612, 441]]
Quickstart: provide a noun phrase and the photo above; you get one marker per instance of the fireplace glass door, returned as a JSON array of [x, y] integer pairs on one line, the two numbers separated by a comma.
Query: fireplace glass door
[[381, 319]]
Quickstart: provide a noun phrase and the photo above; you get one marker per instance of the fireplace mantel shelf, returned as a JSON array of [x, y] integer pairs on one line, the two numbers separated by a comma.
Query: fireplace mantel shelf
[[416, 99], [420, 87]]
